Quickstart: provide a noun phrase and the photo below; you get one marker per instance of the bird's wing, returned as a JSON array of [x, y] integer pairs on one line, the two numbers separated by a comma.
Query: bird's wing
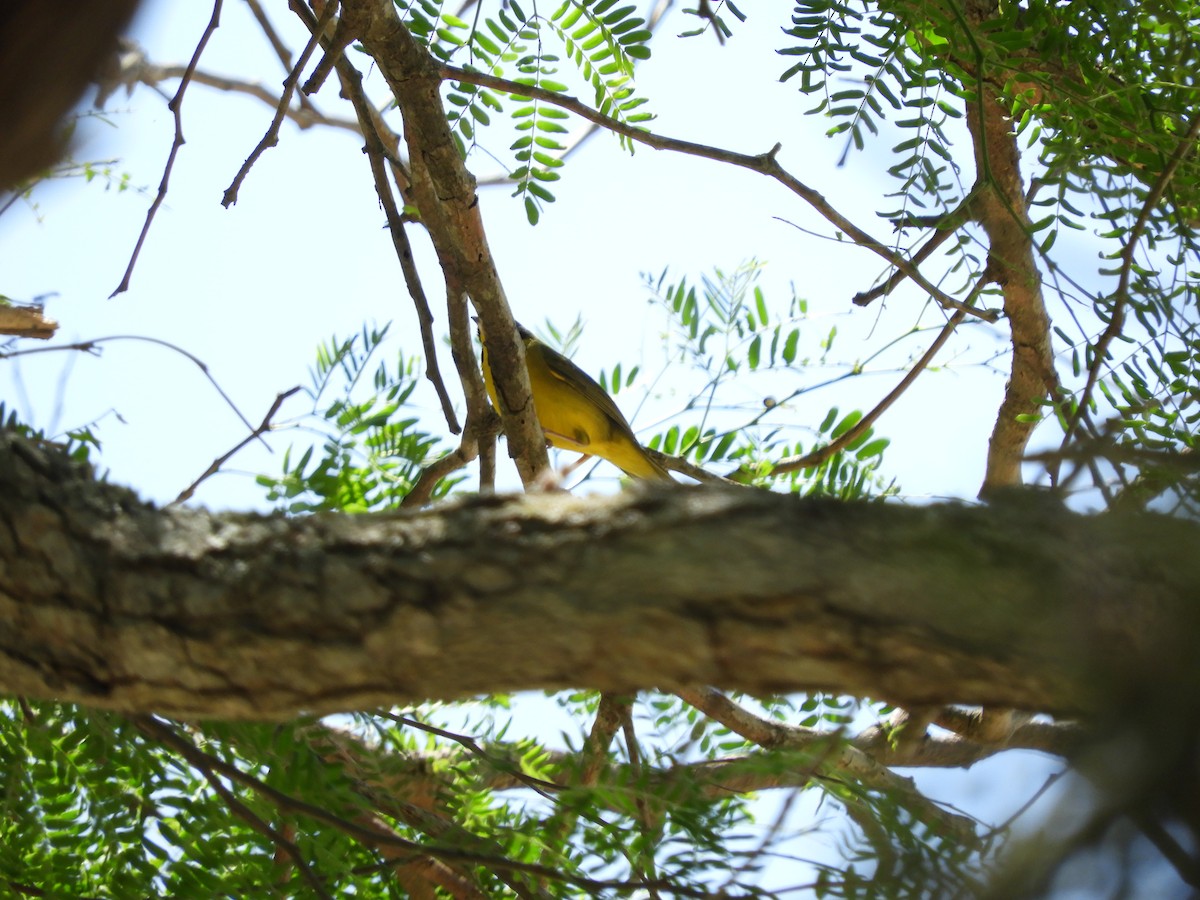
[[581, 382]]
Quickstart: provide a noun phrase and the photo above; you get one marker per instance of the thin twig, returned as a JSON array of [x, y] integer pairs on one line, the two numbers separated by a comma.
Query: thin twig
[[541, 786], [835, 755], [422, 490], [414, 800], [1179, 858], [134, 69], [176, 106], [946, 225], [264, 426], [90, 347], [243, 812], [271, 138], [610, 713], [281, 49], [351, 81], [334, 45], [483, 423], [1117, 321], [1003, 827], [763, 163], [194, 755], [818, 456], [643, 862], [305, 117]]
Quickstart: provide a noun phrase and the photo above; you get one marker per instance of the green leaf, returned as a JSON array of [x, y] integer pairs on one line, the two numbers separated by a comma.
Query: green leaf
[[846, 424], [790, 346]]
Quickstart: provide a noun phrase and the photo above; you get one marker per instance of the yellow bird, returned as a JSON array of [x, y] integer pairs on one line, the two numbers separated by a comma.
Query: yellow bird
[[575, 412]]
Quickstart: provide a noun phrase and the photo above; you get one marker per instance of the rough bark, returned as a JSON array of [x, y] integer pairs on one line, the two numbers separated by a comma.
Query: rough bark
[[1001, 212], [108, 602], [444, 193]]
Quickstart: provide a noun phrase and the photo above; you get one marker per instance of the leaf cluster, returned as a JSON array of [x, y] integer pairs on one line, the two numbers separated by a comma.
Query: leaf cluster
[[726, 329], [601, 40], [372, 448]]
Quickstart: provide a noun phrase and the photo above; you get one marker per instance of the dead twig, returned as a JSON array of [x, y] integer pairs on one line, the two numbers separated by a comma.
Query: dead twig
[[271, 138], [176, 107], [351, 81], [92, 346], [214, 467]]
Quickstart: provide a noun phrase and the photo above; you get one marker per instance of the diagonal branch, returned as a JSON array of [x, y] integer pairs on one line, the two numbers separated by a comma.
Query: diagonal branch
[[215, 466], [943, 226], [351, 80], [835, 755], [176, 107], [372, 836], [818, 456], [247, 815], [763, 163], [271, 138], [444, 192]]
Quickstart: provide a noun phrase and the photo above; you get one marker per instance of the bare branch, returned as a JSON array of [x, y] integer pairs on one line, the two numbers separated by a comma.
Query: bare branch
[[818, 456], [351, 81], [444, 193], [133, 68], [281, 49], [944, 226], [215, 466], [154, 729], [763, 163], [176, 107], [92, 345], [833, 755], [166, 735], [271, 138]]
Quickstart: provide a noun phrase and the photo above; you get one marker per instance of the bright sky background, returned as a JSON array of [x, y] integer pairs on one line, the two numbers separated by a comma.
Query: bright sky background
[[304, 255]]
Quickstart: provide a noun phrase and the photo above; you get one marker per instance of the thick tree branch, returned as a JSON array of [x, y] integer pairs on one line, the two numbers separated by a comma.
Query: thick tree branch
[[1000, 208], [444, 194], [110, 603]]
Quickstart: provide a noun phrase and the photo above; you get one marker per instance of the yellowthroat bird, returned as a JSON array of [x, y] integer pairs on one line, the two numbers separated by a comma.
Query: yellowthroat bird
[[575, 412]]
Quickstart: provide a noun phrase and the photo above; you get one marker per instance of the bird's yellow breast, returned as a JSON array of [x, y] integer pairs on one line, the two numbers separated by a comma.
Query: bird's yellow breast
[[575, 412]]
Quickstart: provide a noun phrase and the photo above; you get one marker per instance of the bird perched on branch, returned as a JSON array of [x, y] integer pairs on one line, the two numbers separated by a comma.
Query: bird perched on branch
[[575, 412]]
